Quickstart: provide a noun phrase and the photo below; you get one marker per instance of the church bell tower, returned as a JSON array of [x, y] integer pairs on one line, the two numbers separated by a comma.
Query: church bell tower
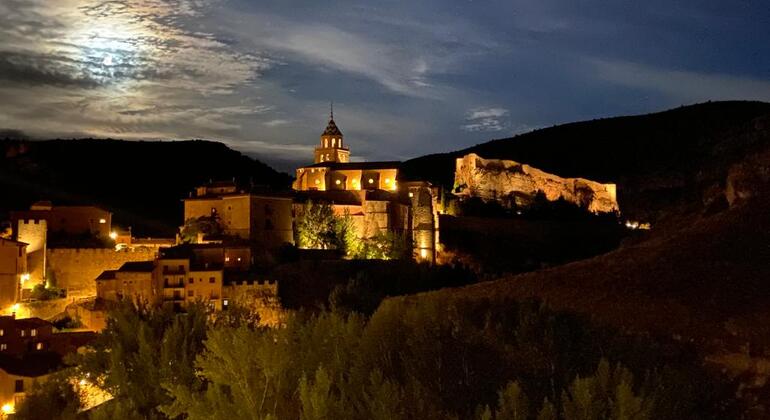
[[331, 148]]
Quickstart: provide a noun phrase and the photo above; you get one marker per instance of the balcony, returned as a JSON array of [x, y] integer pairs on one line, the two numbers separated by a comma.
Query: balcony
[[173, 284]]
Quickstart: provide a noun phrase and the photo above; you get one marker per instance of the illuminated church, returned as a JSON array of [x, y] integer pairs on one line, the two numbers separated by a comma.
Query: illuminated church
[[370, 193], [332, 169]]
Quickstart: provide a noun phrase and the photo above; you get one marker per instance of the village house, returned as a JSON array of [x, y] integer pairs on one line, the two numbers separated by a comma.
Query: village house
[[13, 271], [263, 219], [30, 351], [213, 274]]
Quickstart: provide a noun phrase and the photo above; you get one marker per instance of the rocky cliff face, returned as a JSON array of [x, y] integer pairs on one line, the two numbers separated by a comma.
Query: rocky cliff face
[[494, 179]]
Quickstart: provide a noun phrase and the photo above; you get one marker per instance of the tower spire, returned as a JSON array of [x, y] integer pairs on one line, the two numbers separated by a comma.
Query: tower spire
[[331, 110]]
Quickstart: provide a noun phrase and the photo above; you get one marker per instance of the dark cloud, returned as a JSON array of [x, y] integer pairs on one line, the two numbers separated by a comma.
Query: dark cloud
[[13, 134], [29, 69]]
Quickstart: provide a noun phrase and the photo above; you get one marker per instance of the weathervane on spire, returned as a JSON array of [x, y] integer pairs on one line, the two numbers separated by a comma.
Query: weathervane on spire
[[331, 110]]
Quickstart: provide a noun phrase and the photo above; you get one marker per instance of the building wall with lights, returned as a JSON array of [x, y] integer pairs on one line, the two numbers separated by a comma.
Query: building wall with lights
[[370, 194], [73, 220], [75, 269], [262, 219], [13, 270]]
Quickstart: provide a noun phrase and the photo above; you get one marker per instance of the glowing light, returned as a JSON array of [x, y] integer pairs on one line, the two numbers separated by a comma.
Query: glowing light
[[424, 253], [107, 61], [387, 181], [102, 221], [24, 278], [411, 194], [113, 235], [8, 408], [317, 182], [15, 307], [337, 182], [371, 181]]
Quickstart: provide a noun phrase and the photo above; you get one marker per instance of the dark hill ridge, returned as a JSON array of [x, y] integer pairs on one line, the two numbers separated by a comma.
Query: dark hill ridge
[[659, 161], [141, 181]]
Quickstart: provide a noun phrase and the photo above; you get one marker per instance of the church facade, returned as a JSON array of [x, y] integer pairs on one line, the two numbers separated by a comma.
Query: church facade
[[370, 193]]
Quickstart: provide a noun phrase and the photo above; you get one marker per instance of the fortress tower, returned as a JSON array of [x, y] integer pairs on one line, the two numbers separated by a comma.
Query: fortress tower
[[331, 148]]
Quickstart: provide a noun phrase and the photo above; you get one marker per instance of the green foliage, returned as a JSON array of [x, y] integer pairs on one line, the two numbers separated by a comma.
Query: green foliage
[[54, 399], [316, 227], [385, 246], [414, 362], [206, 225], [41, 292], [513, 403], [141, 348], [439, 359]]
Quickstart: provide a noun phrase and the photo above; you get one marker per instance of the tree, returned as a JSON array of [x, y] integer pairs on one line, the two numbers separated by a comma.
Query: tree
[[55, 399], [141, 348], [315, 227], [205, 225]]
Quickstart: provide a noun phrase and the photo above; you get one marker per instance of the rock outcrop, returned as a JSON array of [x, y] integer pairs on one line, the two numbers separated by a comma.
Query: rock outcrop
[[494, 179]]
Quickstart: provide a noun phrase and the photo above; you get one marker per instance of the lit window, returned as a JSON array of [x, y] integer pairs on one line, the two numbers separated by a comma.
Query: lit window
[[333, 142], [102, 221], [227, 259], [225, 302], [239, 259], [39, 346], [33, 332], [3, 347], [387, 180], [23, 333], [2, 332], [411, 195]]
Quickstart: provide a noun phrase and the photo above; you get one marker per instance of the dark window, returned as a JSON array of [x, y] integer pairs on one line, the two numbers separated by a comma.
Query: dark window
[[18, 386], [190, 293], [212, 280], [268, 209], [268, 224], [191, 281], [181, 268]]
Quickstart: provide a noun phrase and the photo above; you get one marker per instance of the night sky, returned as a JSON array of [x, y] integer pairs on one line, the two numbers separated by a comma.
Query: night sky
[[407, 78]]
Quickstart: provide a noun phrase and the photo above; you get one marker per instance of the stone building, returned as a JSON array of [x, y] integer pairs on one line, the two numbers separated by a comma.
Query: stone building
[[36, 226], [263, 219], [13, 271], [496, 179], [214, 274], [370, 193], [71, 220], [30, 351]]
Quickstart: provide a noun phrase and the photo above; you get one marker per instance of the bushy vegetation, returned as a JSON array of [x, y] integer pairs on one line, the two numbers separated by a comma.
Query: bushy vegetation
[[205, 225], [420, 359], [43, 292], [360, 285], [317, 227]]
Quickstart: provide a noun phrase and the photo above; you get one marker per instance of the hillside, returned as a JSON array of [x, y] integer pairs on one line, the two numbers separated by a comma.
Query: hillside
[[670, 161], [141, 182], [702, 282]]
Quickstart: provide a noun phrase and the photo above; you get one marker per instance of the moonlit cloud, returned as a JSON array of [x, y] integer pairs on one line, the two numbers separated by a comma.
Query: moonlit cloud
[[486, 119], [407, 78]]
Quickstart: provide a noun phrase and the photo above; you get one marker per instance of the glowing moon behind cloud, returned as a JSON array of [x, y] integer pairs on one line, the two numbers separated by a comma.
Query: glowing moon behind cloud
[[107, 61]]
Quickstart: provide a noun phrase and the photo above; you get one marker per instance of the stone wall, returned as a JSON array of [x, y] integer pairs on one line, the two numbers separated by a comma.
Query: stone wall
[[494, 179], [34, 233], [259, 296], [76, 269]]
